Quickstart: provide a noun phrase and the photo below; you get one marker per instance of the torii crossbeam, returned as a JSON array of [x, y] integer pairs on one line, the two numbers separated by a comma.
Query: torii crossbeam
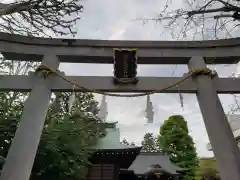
[[51, 52]]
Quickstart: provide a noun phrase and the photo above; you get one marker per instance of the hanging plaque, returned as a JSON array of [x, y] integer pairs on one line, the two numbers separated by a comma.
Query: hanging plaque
[[125, 66]]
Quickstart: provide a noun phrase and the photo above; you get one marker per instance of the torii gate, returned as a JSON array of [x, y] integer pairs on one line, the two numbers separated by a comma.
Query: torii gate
[[51, 52]]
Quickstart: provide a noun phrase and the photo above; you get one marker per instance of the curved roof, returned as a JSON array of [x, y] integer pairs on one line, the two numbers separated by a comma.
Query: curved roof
[[111, 142], [144, 161]]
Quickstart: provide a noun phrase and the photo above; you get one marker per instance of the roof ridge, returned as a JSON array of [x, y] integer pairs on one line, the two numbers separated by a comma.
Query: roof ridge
[[151, 153]]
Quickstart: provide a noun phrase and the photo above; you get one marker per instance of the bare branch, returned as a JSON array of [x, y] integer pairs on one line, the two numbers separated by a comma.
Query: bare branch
[[204, 11], [40, 17], [200, 19]]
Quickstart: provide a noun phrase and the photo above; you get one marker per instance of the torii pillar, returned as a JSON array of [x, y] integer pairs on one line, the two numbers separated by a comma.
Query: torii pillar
[[220, 134], [22, 152]]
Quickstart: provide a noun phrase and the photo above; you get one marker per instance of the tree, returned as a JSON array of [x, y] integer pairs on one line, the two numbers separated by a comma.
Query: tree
[[174, 139], [65, 148], [67, 136], [208, 19], [149, 143], [208, 169], [40, 17], [125, 142]]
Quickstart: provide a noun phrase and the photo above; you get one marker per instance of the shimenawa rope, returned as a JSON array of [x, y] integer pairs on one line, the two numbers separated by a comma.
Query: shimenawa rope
[[47, 71]]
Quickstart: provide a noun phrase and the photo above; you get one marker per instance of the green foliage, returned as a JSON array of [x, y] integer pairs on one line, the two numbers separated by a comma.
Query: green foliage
[[174, 139], [208, 169], [67, 137], [65, 148], [149, 143], [126, 142]]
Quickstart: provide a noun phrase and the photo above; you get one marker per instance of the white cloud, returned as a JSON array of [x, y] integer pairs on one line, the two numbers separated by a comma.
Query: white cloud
[[112, 19]]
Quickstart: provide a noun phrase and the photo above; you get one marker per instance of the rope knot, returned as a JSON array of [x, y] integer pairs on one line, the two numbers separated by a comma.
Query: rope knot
[[203, 71], [46, 71]]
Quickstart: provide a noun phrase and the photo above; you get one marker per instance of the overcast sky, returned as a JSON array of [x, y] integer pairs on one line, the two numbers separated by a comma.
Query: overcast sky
[[115, 19]]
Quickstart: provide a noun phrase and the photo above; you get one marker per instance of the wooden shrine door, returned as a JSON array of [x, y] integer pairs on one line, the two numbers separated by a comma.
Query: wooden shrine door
[[103, 172]]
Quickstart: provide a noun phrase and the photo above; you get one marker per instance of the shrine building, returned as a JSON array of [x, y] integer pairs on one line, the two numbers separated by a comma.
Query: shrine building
[[116, 161]]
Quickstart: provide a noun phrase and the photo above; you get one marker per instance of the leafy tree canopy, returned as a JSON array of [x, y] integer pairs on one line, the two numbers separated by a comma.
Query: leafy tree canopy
[[149, 143], [65, 148], [174, 140], [208, 169], [126, 142]]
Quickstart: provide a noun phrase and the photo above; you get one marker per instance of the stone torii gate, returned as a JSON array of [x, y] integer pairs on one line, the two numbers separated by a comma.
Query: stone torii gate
[[51, 52]]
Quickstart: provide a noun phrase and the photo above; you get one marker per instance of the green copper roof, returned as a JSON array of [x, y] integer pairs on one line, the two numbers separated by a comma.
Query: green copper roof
[[110, 125], [112, 139]]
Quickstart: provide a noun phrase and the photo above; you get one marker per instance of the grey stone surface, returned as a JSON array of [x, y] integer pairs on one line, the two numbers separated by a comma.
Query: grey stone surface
[[119, 43], [17, 47], [145, 84], [24, 146], [220, 134]]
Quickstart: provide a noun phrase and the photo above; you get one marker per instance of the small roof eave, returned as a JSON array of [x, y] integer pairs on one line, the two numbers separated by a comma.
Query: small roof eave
[[137, 149], [114, 146], [145, 160], [159, 170]]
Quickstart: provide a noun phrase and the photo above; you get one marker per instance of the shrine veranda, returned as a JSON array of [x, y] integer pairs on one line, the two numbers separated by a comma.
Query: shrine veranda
[[196, 54]]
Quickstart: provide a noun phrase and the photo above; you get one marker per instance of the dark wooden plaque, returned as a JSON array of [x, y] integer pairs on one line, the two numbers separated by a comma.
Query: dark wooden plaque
[[125, 66]]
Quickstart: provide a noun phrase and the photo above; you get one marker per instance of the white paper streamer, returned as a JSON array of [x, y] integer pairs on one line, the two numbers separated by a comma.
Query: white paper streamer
[[72, 99], [71, 102], [180, 98], [149, 110], [103, 109]]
